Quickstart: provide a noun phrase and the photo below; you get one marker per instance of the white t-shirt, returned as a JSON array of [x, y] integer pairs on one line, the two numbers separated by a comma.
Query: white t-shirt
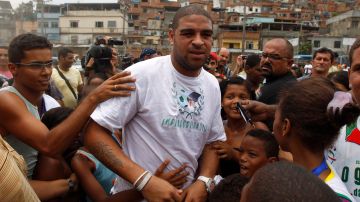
[[345, 157], [50, 102], [168, 116], [335, 183]]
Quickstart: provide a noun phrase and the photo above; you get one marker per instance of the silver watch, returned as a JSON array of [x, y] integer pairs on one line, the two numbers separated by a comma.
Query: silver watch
[[209, 183]]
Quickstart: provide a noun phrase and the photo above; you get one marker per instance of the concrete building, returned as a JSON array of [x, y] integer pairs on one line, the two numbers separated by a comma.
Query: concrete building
[[81, 23], [48, 21], [7, 22], [345, 24]]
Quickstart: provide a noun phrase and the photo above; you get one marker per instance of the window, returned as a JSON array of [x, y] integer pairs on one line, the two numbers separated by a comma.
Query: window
[[74, 39], [317, 44], [231, 45], [99, 24], [111, 23], [45, 24], [74, 24], [337, 44], [54, 24], [354, 24], [250, 9], [249, 45]]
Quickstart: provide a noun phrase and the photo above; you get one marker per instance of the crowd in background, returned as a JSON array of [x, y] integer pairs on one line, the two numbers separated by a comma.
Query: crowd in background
[[181, 127]]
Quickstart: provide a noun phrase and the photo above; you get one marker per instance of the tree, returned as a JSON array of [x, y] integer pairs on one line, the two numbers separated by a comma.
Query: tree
[[305, 48]]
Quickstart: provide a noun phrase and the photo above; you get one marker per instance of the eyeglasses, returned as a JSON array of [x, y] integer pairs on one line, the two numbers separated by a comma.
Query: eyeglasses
[[37, 65], [273, 56]]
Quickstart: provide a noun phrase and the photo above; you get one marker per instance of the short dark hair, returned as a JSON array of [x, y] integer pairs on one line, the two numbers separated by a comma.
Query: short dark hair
[[341, 77], [287, 182], [270, 144], [191, 9], [324, 50], [63, 52], [55, 116], [229, 188], [305, 105], [26, 42], [234, 80], [355, 46], [252, 60]]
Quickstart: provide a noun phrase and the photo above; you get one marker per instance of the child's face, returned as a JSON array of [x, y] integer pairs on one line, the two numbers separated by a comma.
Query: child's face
[[234, 93], [252, 155]]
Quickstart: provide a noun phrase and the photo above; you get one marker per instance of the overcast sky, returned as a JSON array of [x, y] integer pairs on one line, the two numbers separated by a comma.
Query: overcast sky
[[15, 3]]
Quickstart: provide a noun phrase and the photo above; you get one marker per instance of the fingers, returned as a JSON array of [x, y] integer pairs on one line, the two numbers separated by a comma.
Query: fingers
[[162, 167], [177, 195], [179, 180], [178, 170], [120, 75]]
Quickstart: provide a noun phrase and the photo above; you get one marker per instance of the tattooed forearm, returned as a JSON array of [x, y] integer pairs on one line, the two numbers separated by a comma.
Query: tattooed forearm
[[105, 153]]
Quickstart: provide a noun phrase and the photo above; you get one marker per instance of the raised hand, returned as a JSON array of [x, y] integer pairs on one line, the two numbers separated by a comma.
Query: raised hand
[[117, 85], [176, 177], [223, 149], [158, 189]]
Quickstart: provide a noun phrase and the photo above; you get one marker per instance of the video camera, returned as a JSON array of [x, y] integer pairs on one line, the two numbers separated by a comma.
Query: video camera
[[110, 42], [102, 53]]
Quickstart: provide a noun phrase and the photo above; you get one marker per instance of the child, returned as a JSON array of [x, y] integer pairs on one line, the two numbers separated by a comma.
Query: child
[[257, 149], [283, 181], [304, 127], [233, 91], [229, 188]]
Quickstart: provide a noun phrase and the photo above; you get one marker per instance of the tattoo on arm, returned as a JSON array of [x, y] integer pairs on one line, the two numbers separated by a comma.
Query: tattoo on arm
[[105, 153]]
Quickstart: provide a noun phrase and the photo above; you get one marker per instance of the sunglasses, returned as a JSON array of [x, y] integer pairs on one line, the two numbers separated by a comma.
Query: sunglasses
[[37, 65], [273, 56]]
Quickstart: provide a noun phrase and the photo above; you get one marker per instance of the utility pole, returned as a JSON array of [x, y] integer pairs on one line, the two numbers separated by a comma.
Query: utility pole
[[124, 8], [243, 30]]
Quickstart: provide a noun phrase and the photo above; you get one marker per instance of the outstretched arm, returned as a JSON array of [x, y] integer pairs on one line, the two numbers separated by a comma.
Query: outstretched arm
[[98, 140], [18, 121]]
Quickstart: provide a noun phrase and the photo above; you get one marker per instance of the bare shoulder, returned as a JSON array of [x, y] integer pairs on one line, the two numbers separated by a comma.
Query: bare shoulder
[[11, 103], [261, 125], [12, 109]]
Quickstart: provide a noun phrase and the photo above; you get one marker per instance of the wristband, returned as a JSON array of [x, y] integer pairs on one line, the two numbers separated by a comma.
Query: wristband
[[137, 180], [144, 181], [71, 185]]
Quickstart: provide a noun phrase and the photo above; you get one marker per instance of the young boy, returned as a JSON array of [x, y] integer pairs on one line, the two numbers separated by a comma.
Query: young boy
[[257, 148]]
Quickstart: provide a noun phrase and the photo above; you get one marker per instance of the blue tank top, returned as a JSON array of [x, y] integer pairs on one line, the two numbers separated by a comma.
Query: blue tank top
[[29, 154], [102, 174]]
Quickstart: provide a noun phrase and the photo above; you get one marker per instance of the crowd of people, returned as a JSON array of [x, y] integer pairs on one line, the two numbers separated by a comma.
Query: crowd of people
[[180, 127]]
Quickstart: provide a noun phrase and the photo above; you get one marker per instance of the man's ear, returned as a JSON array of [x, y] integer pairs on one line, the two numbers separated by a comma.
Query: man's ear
[[12, 68], [171, 35], [290, 62]]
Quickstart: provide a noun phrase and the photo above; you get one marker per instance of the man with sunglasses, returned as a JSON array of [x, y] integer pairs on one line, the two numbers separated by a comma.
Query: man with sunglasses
[[276, 61], [30, 63]]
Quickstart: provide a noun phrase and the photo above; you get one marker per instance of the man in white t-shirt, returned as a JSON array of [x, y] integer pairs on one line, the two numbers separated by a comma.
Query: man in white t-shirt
[[173, 114], [345, 154]]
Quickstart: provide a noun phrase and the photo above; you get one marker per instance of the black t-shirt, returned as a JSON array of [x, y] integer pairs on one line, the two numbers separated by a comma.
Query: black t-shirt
[[273, 86]]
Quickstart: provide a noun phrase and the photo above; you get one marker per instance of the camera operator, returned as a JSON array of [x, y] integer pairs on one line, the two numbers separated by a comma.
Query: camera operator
[[102, 57]]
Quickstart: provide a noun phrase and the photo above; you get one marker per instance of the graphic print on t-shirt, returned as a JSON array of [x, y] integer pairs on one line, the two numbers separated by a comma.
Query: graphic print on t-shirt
[[190, 105], [352, 133]]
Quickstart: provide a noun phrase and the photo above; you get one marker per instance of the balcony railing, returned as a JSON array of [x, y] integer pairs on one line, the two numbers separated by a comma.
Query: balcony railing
[[79, 30]]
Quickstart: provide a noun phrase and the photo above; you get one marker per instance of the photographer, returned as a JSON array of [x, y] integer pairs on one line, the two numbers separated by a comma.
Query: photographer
[[102, 57]]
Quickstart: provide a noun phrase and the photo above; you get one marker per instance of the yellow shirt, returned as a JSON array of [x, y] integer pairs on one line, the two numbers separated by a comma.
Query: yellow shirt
[[75, 80]]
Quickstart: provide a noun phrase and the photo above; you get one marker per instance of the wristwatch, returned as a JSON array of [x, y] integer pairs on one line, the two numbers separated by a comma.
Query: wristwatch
[[209, 183], [71, 185]]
